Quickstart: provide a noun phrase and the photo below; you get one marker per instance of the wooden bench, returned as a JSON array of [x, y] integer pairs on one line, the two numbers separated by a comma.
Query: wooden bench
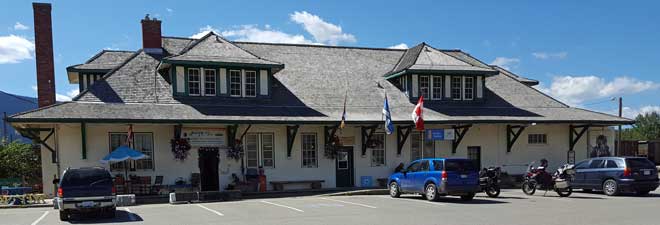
[[279, 185]]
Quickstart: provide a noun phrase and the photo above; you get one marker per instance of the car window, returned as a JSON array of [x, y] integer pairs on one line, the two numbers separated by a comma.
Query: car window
[[460, 165], [438, 165], [639, 163], [597, 163], [80, 177], [413, 167], [582, 165], [611, 164], [424, 166]]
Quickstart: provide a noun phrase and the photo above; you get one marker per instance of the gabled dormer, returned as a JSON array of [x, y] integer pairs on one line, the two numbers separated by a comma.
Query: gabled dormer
[[93, 69], [440, 75], [214, 67]]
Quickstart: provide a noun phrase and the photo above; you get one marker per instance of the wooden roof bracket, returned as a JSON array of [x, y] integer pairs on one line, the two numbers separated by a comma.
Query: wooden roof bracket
[[575, 132], [367, 134], [460, 132], [33, 133], [402, 133], [512, 134], [291, 132]]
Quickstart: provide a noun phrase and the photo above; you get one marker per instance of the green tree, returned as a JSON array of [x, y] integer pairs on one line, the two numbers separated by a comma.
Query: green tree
[[19, 160], [646, 127]]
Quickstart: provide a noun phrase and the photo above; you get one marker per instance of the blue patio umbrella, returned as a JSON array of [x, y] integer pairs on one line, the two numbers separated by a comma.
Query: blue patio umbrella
[[123, 153]]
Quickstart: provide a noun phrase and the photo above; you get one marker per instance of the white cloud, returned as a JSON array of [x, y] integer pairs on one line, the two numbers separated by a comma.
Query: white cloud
[[204, 30], [322, 31], [62, 97], [255, 34], [506, 63], [20, 26], [169, 10], [575, 90], [631, 113], [550, 55], [399, 46], [14, 49]]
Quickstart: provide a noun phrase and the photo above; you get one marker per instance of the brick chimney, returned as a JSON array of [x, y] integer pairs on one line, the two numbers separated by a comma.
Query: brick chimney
[[151, 36], [43, 38]]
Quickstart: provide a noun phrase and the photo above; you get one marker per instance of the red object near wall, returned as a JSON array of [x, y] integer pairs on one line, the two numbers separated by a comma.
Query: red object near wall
[[262, 183]]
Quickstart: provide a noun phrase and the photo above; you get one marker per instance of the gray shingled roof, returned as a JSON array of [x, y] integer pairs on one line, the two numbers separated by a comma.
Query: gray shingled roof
[[215, 49], [524, 80], [104, 60], [311, 88], [423, 57]]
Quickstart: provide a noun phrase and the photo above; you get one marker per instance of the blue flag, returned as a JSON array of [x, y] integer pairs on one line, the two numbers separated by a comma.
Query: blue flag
[[389, 127]]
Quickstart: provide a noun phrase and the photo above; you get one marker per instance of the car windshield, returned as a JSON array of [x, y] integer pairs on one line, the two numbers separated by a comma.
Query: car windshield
[[459, 165], [639, 163], [86, 177]]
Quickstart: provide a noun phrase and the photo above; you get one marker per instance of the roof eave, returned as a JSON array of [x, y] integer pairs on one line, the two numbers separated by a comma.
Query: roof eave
[[215, 63]]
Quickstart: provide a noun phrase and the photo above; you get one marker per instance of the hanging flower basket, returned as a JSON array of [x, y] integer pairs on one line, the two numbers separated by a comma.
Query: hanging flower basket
[[330, 150], [180, 148]]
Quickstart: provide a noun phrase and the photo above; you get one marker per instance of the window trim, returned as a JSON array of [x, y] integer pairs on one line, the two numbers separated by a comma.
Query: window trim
[[134, 164], [260, 149], [215, 82], [231, 88], [460, 88], [199, 82], [433, 87], [422, 142], [302, 150], [536, 135], [465, 88], [428, 87], [245, 83]]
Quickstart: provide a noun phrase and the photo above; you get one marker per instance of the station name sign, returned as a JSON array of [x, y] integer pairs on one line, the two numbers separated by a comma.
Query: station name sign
[[204, 137], [439, 134]]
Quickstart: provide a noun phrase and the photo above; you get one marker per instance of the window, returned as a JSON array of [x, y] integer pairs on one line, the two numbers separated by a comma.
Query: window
[[209, 82], [468, 89], [403, 82], [436, 90], [582, 165], [413, 167], [194, 81], [456, 88], [378, 151], [420, 148], [116, 140], [235, 83], [537, 139], [438, 165], [424, 86], [424, 166], [598, 163], [260, 147], [142, 142], [250, 84], [612, 164], [309, 156]]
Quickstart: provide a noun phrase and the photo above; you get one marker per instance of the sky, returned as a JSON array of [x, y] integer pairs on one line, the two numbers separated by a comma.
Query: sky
[[584, 53]]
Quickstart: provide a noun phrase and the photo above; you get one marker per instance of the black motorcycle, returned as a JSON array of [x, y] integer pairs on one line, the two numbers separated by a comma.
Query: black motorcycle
[[489, 181], [559, 181]]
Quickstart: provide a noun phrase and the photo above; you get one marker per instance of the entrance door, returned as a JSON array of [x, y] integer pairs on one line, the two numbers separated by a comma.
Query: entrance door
[[474, 154], [208, 169], [344, 167]]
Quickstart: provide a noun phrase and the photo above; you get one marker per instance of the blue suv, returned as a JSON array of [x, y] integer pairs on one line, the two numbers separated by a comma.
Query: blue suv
[[616, 174], [437, 177]]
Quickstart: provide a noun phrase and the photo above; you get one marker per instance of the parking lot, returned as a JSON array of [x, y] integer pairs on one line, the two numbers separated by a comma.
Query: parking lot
[[513, 207]]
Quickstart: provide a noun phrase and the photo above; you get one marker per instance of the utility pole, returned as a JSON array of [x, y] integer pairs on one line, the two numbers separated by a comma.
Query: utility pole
[[4, 128], [618, 143]]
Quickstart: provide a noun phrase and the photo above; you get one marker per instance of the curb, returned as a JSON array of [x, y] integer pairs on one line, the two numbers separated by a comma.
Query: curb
[[25, 206], [360, 192]]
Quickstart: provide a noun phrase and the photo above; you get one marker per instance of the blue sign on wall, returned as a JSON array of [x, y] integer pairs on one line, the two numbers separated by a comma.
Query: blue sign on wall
[[365, 181], [439, 134]]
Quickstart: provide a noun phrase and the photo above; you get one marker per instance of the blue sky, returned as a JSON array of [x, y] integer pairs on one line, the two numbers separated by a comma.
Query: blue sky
[[583, 52]]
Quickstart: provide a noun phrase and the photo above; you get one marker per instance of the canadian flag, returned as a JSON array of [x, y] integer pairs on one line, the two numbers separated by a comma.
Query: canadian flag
[[417, 114]]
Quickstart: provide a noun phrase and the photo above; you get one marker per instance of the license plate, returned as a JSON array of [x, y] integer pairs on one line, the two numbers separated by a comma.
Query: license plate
[[647, 172], [464, 176], [87, 204]]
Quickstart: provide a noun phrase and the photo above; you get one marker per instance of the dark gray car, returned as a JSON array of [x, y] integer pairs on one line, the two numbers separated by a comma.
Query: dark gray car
[[614, 175]]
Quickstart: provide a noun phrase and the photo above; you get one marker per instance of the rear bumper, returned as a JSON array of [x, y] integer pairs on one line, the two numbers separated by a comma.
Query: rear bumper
[[458, 189], [76, 204], [633, 185]]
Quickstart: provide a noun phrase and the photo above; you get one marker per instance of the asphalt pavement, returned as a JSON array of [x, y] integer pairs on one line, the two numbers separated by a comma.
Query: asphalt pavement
[[513, 207]]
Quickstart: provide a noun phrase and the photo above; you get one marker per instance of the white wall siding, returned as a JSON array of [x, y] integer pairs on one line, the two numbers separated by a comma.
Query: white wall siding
[[180, 79], [415, 86], [223, 81], [480, 91], [263, 82]]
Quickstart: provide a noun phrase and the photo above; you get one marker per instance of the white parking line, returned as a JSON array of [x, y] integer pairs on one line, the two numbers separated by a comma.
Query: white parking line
[[40, 218], [352, 203], [288, 207], [413, 200], [210, 210], [130, 214]]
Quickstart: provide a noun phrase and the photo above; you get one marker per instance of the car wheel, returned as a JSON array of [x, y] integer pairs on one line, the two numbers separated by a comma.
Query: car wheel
[[394, 190], [610, 187], [431, 192], [64, 215], [467, 197]]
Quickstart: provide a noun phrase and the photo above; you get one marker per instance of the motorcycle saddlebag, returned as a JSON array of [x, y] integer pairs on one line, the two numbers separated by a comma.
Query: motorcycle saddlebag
[[560, 183]]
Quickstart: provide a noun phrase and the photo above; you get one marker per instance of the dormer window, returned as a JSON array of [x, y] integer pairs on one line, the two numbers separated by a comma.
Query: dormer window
[[235, 83], [250, 83], [468, 88], [209, 82], [456, 88], [194, 81], [436, 90], [424, 86]]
